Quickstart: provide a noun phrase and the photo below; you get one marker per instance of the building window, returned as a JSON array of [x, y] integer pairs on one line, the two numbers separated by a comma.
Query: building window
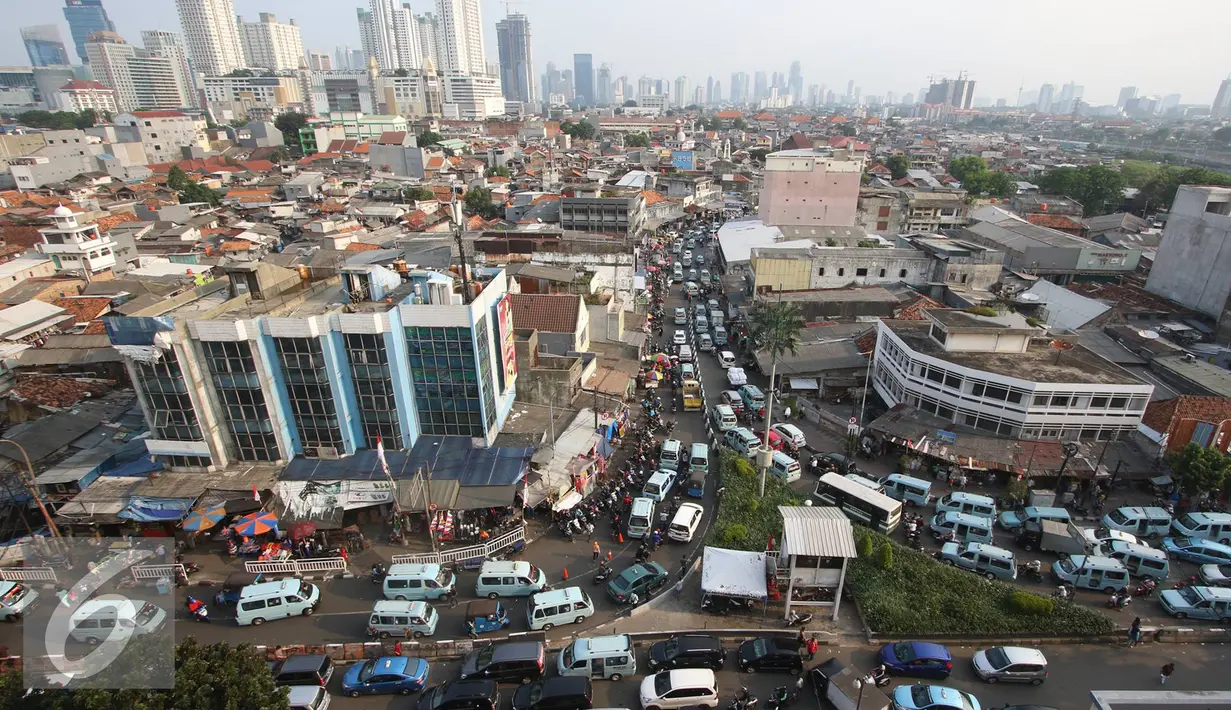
[[166, 395], [939, 334], [446, 381], [314, 413], [882, 273], [841, 272], [902, 274], [378, 411], [882, 226], [245, 411], [822, 271], [882, 212]]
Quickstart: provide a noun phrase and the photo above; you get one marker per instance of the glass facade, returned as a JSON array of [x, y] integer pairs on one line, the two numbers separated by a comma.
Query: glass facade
[[369, 368], [245, 411], [85, 17], [446, 381], [166, 395], [307, 387]]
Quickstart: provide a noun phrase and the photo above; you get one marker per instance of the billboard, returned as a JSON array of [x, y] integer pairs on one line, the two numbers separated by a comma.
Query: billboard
[[683, 159], [504, 311]]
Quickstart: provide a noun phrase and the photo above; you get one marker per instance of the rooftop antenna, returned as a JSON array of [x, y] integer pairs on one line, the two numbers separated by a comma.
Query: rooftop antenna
[[455, 208]]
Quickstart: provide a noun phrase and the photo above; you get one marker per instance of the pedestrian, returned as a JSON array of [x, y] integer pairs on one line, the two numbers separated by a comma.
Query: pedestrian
[[803, 637], [453, 600], [161, 553], [470, 629], [813, 646], [1134, 633], [1165, 673], [345, 557], [597, 552], [589, 531]]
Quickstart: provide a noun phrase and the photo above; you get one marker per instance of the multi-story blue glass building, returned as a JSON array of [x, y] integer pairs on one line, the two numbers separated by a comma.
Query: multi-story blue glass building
[[84, 18], [44, 46], [264, 365]]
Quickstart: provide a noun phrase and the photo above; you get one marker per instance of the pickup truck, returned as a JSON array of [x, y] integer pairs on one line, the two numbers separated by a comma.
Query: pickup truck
[[1053, 536], [692, 395], [736, 376]]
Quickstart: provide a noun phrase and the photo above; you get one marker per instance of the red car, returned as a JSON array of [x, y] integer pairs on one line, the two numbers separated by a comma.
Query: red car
[[776, 442]]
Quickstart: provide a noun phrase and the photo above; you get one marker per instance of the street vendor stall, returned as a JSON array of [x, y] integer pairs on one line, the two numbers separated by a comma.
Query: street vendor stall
[[732, 578]]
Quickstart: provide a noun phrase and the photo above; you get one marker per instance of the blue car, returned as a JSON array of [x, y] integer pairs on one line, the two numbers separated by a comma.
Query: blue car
[[932, 697], [1197, 549], [917, 658], [387, 674], [696, 486]]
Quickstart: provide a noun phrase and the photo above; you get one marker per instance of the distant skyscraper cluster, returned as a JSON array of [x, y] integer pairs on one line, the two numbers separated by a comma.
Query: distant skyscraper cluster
[[516, 58]]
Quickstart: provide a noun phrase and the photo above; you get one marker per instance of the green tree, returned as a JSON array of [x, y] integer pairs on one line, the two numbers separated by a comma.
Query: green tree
[[739, 123], [429, 138], [1097, 187], [960, 168], [196, 192], [1138, 172], [498, 171], [177, 178], [994, 184], [637, 140], [864, 546], [1200, 471], [849, 130], [898, 165], [290, 123], [86, 118], [774, 327], [758, 154], [1159, 191], [479, 201], [239, 123], [418, 194], [630, 103], [581, 130], [884, 556], [242, 72]]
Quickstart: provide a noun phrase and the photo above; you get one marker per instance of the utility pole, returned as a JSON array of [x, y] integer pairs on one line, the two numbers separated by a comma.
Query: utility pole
[[33, 487]]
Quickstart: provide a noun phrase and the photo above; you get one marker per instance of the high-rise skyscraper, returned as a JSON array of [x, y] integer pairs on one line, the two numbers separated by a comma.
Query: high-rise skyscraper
[[795, 83], [429, 37], [140, 79], [583, 79], [269, 44], [850, 89], [1221, 107], [212, 35], [1126, 93], [170, 45], [516, 60], [908, 99], [368, 38], [1070, 94], [602, 86], [1047, 94], [566, 84], [738, 94], [44, 46], [319, 61], [760, 86], [716, 97], [1169, 101], [341, 57], [681, 91], [85, 17], [709, 89], [461, 32], [551, 84], [390, 36]]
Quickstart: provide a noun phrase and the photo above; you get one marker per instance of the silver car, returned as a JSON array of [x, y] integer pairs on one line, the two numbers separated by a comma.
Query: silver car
[[1011, 664]]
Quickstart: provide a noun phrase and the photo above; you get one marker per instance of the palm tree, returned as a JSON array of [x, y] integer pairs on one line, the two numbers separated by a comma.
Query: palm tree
[[774, 327]]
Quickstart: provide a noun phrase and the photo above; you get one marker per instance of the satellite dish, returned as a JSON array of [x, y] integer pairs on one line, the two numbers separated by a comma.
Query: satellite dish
[[1148, 334]]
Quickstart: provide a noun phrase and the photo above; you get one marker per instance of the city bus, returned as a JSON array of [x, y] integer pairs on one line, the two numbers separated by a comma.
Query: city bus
[[860, 503]]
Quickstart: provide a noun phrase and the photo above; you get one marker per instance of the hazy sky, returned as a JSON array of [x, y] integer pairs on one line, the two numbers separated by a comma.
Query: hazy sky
[[884, 45]]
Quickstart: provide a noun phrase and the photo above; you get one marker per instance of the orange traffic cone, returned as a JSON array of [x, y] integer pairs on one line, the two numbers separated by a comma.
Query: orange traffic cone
[[608, 555], [566, 574], [620, 537]]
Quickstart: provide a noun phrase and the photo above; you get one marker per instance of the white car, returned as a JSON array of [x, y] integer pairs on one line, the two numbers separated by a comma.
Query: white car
[[681, 688], [791, 434], [1215, 575], [736, 376], [680, 337], [726, 359], [681, 316]]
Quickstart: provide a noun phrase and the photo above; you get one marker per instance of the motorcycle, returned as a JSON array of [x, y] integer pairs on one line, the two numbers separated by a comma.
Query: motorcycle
[[603, 573], [1064, 593], [783, 696], [878, 676], [1120, 600], [1032, 570], [797, 619], [378, 573], [743, 700], [198, 609], [1145, 589]]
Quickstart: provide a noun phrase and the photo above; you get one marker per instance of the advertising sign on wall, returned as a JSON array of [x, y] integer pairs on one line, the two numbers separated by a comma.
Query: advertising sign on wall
[[683, 159], [509, 352]]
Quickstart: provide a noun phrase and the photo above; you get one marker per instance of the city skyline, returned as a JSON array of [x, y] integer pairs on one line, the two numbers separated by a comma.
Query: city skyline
[[561, 32]]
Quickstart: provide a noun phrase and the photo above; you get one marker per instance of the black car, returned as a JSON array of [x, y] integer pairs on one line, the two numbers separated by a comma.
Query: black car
[[833, 461], [568, 692], [479, 694], [507, 662], [687, 651], [770, 655], [304, 669]]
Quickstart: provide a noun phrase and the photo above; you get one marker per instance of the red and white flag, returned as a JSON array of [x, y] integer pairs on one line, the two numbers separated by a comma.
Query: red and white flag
[[380, 456], [255, 495]]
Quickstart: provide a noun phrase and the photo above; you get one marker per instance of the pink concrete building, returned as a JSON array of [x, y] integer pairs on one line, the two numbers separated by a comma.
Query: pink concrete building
[[807, 187]]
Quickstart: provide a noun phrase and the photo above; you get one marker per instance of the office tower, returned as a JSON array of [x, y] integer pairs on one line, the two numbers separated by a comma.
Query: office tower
[[170, 45], [717, 97], [44, 46], [850, 88], [566, 84], [760, 86], [738, 95], [583, 79], [775, 80], [85, 17], [820, 95], [681, 91], [341, 58], [1047, 94], [1001, 103], [814, 94], [1221, 108], [140, 78], [429, 37], [1070, 94], [889, 98], [908, 99], [1169, 101], [709, 89], [212, 35], [368, 38], [795, 83], [1126, 93], [390, 36], [602, 86], [855, 96], [645, 87], [461, 32], [516, 61], [319, 61], [269, 44]]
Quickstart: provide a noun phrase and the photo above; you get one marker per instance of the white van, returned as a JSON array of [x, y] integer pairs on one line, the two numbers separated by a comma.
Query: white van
[[669, 457], [611, 657], [570, 605], [408, 582], [393, 618], [94, 620], [685, 522], [724, 417], [509, 579], [640, 517], [784, 467], [267, 601]]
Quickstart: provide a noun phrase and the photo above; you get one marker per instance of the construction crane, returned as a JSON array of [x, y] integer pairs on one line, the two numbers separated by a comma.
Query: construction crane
[[507, 3]]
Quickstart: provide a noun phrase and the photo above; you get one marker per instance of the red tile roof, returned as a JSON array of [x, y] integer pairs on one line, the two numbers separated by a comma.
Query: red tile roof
[[764, 116], [58, 392], [84, 309], [105, 224], [391, 138], [79, 85], [728, 114], [236, 245], [1055, 221], [1170, 414], [555, 313], [95, 327], [652, 197], [22, 235], [360, 246]]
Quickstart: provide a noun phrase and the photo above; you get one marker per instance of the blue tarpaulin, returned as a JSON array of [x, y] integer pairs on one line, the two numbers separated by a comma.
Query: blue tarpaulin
[[156, 510], [449, 458], [139, 467]]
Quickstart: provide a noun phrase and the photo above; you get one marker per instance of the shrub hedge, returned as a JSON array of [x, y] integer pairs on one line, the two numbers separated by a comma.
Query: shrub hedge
[[745, 521], [918, 596]]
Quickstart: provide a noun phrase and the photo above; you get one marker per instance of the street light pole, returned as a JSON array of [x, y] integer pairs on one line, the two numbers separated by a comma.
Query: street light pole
[[764, 458], [32, 487], [1070, 450]]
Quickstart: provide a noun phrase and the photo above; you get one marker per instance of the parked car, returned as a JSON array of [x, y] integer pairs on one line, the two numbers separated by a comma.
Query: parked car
[[384, 675], [557, 693], [1215, 575], [679, 338], [1012, 664], [1197, 549], [687, 651], [917, 658], [478, 694], [932, 697], [640, 579], [835, 461], [681, 688], [1213, 603], [791, 434], [769, 655]]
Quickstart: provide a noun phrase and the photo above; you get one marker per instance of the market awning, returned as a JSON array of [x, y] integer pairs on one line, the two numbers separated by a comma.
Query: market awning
[[569, 500], [733, 573], [804, 383], [157, 510]]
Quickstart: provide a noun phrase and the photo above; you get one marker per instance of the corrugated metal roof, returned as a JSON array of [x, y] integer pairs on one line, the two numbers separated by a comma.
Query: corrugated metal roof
[[819, 531]]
